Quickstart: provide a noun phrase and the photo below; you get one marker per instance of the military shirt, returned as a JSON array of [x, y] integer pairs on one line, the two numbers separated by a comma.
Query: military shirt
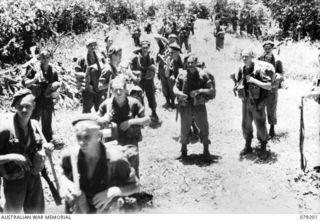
[[13, 140], [187, 82], [259, 70], [93, 77], [140, 63], [112, 169], [130, 110], [39, 88]]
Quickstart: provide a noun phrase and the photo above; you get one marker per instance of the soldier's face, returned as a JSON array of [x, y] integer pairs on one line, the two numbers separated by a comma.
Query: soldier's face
[[191, 65], [87, 136], [25, 107], [110, 41], [174, 54], [145, 50], [119, 91], [117, 57], [247, 60], [92, 47], [45, 59], [267, 49]]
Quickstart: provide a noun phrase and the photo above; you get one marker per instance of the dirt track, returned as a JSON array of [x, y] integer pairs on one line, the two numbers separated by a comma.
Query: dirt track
[[227, 185]]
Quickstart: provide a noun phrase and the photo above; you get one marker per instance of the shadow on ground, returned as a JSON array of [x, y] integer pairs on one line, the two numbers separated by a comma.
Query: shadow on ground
[[254, 156], [199, 160], [279, 136]]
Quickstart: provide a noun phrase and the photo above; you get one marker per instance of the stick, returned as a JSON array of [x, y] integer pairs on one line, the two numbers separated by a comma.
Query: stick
[[54, 191], [303, 160]]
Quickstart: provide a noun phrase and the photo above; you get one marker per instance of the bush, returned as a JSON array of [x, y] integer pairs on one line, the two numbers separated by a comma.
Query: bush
[[23, 23], [297, 18]]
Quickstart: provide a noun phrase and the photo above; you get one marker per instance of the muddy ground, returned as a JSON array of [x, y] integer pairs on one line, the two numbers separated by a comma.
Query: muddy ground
[[228, 184]]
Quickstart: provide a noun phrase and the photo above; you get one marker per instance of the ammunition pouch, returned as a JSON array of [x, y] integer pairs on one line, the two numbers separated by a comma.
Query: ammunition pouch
[[254, 91], [12, 171], [200, 99], [133, 132], [149, 74], [38, 162], [241, 92], [182, 102]]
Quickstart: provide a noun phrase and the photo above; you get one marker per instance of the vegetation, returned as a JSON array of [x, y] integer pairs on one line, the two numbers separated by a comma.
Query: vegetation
[[25, 23], [297, 18]]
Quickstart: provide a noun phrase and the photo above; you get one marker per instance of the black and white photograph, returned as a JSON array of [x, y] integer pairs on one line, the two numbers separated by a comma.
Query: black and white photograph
[[159, 107]]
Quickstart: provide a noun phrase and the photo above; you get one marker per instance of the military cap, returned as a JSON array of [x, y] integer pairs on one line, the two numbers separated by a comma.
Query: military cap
[[192, 58], [173, 36], [175, 46], [145, 44], [86, 117], [114, 49], [90, 41], [20, 94], [268, 43], [44, 54], [247, 52]]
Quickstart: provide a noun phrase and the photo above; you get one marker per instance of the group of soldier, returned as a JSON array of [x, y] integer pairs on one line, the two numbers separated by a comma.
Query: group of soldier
[[105, 164]]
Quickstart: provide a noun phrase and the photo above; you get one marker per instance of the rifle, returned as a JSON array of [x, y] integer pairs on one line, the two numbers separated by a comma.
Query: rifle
[[54, 191], [44, 173], [303, 160], [233, 77]]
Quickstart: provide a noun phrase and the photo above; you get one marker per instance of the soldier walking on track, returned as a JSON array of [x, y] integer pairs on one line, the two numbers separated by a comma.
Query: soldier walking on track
[[89, 71], [192, 89], [272, 99], [109, 70], [253, 86], [128, 113], [42, 79], [172, 64], [145, 63], [184, 35]]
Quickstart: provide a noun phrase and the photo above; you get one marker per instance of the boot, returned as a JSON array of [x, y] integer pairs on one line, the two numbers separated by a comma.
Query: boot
[[263, 155], [206, 152], [247, 149], [271, 131], [167, 104], [184, 152], [154, 116], [172, 104]]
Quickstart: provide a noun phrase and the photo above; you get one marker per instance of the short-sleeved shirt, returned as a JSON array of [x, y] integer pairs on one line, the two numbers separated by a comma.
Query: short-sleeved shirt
[[130, 110], [261, 71], [112, 169], [13, 140], [39, 89], [174, 66], [93, 78], [184, 31], [187, 82], [140, 63]]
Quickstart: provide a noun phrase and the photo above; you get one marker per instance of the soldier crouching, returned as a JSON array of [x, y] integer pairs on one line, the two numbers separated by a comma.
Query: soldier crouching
[[95, 175], [22, 156], [191, 89]]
